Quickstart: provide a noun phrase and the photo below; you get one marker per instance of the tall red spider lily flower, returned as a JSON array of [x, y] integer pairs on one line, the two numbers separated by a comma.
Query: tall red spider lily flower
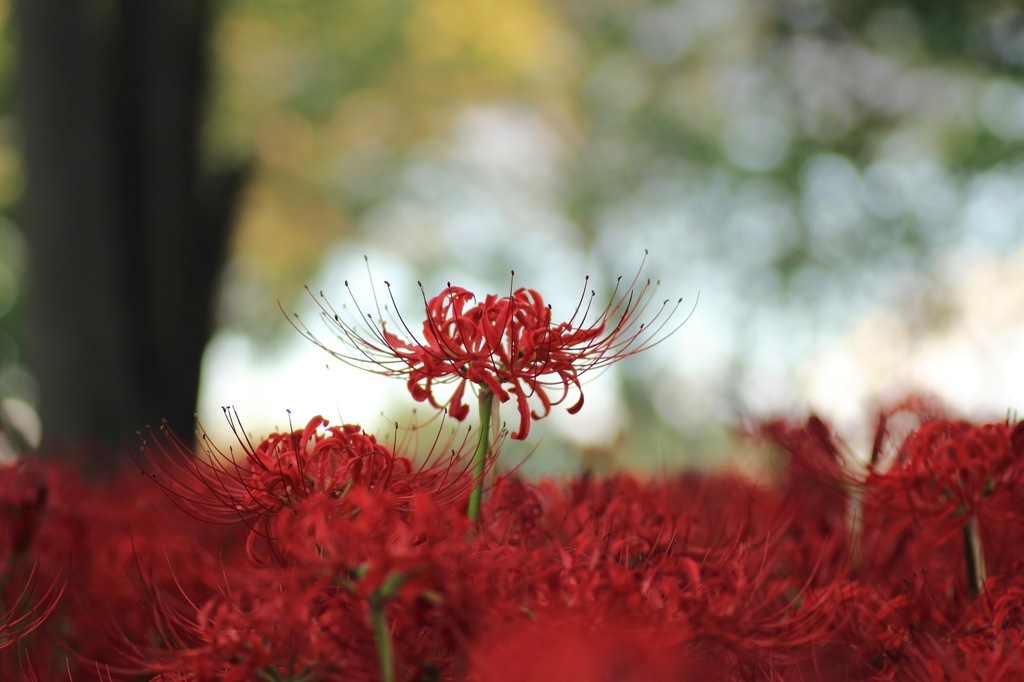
[[503, 345]]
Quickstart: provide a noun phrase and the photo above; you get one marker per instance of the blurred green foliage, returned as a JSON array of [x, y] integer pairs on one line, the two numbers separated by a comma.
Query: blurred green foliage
[[12, 245], [759, 106]]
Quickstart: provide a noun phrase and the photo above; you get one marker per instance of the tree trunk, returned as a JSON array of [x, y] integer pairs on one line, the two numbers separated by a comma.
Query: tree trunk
[[126, 232]]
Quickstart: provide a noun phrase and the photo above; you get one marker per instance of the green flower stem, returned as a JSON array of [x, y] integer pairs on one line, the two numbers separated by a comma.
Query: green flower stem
[[480, 456], [382, 633], [976, 573], [379, 620]]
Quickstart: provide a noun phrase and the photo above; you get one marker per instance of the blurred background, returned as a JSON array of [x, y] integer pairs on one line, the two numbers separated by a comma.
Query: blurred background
[[840, 181]]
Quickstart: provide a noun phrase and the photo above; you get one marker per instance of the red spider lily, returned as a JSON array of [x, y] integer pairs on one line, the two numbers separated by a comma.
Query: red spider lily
[[948, 477], [697, 576], [305, 610], [979, 642], [506, 345], [101, 526], [287, 469], [267, 623], [618, 553], [951, 470]]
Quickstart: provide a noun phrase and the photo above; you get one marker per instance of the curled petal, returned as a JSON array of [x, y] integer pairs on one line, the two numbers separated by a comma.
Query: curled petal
[[457, 408], [524, 416], [576, 406]]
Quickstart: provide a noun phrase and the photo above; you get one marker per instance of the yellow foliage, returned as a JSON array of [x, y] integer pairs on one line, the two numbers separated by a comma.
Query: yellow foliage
[[515, 39]]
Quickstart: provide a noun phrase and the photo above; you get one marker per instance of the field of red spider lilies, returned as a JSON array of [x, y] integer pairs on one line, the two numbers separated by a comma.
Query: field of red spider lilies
[[328, 554]]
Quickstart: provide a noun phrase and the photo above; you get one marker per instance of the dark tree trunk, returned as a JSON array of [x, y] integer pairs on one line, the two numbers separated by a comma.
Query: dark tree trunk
[[126, 232]]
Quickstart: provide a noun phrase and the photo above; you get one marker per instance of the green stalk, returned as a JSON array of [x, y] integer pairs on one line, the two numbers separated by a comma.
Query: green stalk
[[480, 456], [381, 633], [379, 620], [976, 573]]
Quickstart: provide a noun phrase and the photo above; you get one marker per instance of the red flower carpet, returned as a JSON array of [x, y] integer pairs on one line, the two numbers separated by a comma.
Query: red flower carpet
[[328, 553]]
